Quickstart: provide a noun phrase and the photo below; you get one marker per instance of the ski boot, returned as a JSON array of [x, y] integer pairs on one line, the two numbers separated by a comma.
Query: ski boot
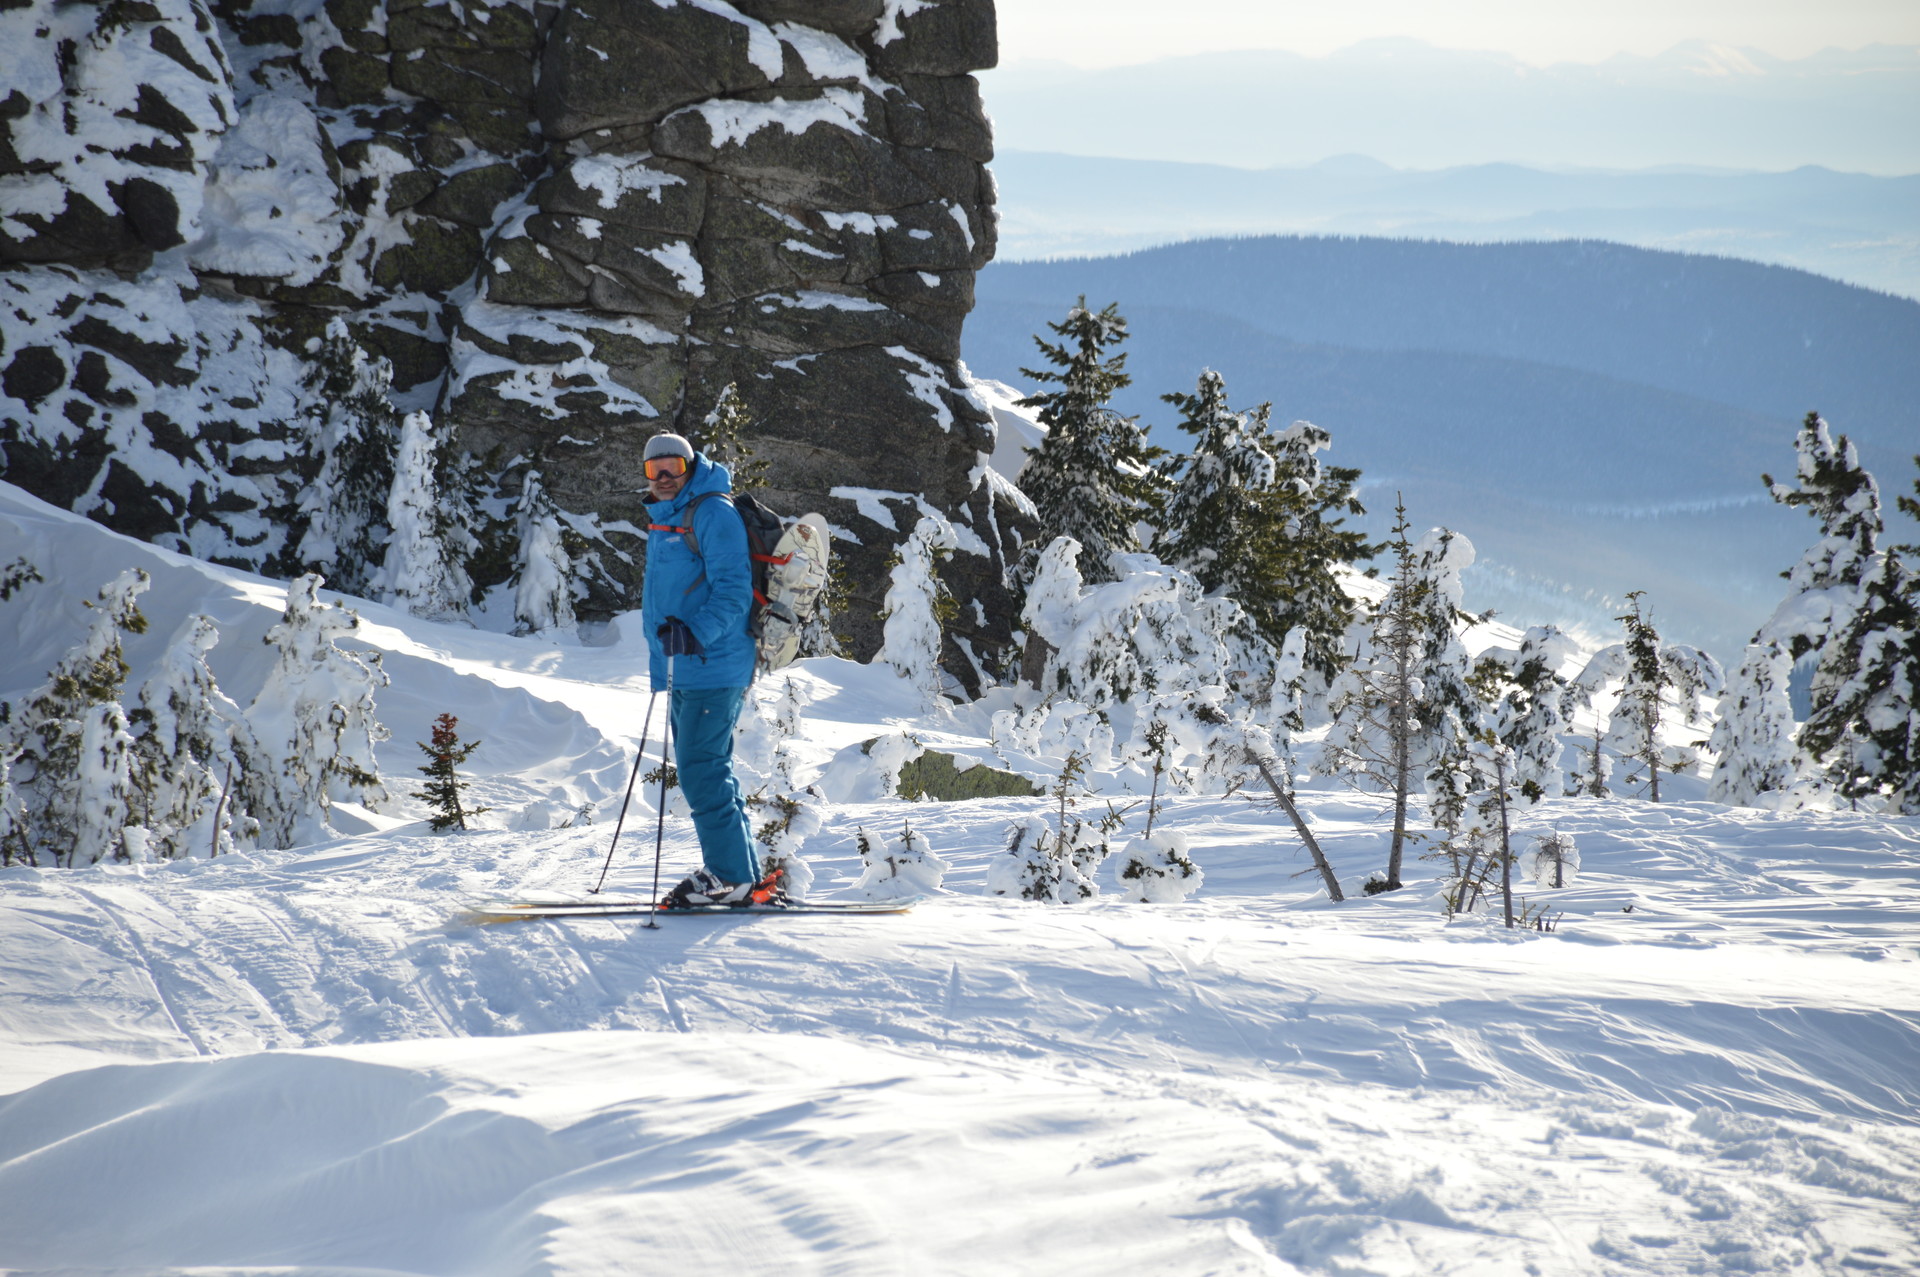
[[701, 889]]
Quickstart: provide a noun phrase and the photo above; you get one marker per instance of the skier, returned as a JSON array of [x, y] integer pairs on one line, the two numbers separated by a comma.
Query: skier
[[695, 606]]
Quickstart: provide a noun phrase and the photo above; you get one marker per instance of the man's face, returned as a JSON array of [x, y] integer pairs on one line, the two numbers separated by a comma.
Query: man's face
[[664, 486]]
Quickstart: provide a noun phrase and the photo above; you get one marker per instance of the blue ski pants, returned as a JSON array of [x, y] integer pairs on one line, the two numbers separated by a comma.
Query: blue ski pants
[[703, 720]]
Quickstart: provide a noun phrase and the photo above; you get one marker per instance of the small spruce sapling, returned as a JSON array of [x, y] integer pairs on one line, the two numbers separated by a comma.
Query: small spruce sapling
[[722, 436], [1556, 859], [1157, 869], [1658, 680], [900, 868], [445, 752], [1026, 866]]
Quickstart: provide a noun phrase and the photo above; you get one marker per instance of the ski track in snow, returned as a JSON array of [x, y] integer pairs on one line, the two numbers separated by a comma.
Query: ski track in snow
[[1722, 1080]]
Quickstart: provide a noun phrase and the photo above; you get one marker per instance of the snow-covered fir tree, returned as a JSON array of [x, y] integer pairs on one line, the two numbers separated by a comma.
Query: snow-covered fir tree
[[425, 571], [1214, 522], [69, 736], [348, 423], [191, 742], [1158, 869], [1091, 477], [1832, 486], [1526, 706], [314, 722], [1658, 682], [722, 435], [1252, 513], [13, 812], [544, 570], [1757, 761], [1830, 581], [898, 868], [917, 608], [1407, 703], [103, 790], [1312, 502], [1867, 727]]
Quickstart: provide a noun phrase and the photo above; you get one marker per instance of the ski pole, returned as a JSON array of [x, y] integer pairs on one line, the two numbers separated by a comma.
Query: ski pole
[[660, 824], [645, 724]]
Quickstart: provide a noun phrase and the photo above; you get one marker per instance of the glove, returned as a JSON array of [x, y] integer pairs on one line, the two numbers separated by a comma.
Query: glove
[[677, 640]]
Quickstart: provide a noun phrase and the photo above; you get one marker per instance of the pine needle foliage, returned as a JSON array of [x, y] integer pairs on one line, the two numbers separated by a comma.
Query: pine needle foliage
[[442, 792], [1091, 478], [722, 435]]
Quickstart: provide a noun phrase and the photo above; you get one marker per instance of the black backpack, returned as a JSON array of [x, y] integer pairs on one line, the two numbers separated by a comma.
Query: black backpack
[[764, 530]]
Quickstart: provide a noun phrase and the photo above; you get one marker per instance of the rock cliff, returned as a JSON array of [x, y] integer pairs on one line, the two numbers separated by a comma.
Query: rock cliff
[[566, 224]]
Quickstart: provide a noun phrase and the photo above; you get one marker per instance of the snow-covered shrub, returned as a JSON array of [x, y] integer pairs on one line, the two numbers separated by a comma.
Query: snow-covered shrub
[[1053, 730], [1156, 869], [1032, 867], [916, 607], [786, 822], [68, 735], [1555, 859], [191, 742], [1059, 863], [425, 570], [1757, 763], [544, 571], [314, 722], [899, 868]]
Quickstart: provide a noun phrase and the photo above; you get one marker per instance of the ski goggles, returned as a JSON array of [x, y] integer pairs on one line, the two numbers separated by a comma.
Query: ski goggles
[[669, 467]]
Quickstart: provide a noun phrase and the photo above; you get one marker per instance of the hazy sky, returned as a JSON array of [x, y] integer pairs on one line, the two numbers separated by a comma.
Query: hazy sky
[[1096, 33]]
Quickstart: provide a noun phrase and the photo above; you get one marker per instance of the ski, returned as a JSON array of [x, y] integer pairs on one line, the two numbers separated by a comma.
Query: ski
[[510, 911]]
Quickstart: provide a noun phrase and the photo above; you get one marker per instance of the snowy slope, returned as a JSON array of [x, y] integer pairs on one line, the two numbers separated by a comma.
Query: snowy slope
[[304, 1061]]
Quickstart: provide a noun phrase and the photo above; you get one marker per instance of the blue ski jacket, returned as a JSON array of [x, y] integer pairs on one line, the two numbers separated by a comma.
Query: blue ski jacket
[[712, 591]]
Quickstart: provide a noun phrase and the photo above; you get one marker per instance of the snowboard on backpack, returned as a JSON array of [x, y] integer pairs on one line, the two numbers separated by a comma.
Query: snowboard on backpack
[[794, 580]]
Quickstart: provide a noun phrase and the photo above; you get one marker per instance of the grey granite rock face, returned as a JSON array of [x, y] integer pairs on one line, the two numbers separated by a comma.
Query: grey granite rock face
[[567, 223]]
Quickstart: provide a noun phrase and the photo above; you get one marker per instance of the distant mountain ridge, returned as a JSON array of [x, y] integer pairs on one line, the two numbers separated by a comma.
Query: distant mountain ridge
[[1594, 417], [1850, 226]]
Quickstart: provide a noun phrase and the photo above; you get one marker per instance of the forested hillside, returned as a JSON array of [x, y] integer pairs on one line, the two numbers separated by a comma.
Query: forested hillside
[[1597, 417]]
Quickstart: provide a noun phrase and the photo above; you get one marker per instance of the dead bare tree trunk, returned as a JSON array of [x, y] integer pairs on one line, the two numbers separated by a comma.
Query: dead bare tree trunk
[[1306, 835]]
